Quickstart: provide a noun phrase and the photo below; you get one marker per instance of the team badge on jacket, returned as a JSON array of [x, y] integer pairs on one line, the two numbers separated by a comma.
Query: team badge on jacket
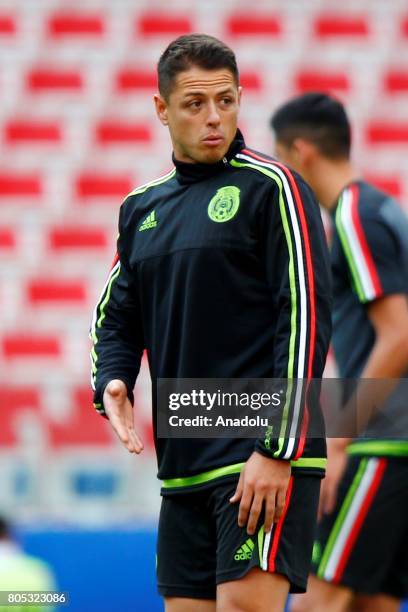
[[224, 205]]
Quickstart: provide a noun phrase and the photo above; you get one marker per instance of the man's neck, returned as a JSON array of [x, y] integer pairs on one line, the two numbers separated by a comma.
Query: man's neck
[[330, 178]]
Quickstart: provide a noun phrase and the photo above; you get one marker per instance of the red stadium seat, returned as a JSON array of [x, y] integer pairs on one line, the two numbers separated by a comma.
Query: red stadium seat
[[251, 81], [130, 79], [22, 131], [163, 24], [7, 238], [17, 184], [41, 292], [341, 25], [64, 238], [396, 81], [8, 25], [84, 426], [390, 184], [102, 184], [387, 132], [14, 399], [114, 132], [248, 24], [316, 80], [40, 80], [78, 24], [20, 345]]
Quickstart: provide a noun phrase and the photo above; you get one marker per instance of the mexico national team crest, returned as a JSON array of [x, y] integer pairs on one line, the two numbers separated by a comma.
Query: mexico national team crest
[[224, 205]]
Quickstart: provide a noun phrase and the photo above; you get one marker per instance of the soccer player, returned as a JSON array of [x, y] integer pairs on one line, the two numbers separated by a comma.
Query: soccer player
[[222, 271], [360, 556]]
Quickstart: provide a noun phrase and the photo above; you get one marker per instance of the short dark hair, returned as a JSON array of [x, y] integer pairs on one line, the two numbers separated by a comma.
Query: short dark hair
[[193, 50], [317, 117]]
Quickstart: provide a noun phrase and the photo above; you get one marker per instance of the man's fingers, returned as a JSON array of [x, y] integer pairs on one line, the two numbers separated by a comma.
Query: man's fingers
[[126, 434], [255, 511], [270, 503], [238, 491], [245, 506]]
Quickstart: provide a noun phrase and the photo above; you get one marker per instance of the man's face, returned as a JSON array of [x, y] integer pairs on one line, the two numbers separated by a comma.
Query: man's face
[[201, 113]]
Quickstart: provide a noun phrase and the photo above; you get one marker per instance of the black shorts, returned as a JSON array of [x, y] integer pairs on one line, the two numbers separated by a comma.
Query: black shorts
[[201, 545], [363, 544]]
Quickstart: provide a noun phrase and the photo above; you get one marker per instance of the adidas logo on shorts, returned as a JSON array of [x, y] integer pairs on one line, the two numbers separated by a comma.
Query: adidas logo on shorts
[[244, 553]]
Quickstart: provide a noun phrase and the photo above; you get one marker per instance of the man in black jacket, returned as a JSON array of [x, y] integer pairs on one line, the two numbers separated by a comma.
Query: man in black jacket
[[222, 272]]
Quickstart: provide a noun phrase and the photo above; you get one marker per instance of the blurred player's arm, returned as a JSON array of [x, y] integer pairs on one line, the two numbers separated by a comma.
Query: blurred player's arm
[[378, 283], [117, 338], [297, 268]]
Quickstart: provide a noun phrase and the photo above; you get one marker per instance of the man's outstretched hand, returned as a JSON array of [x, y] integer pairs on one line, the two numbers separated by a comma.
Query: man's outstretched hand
[[120, 413], [262, 480]]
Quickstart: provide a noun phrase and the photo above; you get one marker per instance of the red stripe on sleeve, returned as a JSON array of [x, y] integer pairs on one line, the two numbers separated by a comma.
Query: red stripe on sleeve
[[363, 242]]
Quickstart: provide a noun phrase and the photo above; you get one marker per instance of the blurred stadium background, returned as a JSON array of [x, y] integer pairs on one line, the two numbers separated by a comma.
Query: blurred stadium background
[[77, 133]]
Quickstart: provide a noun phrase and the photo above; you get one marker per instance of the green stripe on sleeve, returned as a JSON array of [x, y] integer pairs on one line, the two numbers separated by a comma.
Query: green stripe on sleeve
[[189, 481], [388, 448], [293, 294]]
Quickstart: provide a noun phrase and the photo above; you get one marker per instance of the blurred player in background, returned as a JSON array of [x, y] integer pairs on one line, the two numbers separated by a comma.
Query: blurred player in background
[[362, 543], [222, 271], [22, 572]]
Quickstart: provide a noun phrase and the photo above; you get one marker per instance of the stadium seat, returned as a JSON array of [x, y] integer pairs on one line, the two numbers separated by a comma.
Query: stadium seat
[[386, 133], [83, 427], [8, 25], [163, 24], [250, 24], [318, 80], [56, 292], [71, 238], [14, 399], [118, 132], [251, 81], [396, 81], [19, 184], [130, 80], [7, 238], [341, 25], [43, 80], [102, 185], [30, 131], [75, 24], [25, 345]]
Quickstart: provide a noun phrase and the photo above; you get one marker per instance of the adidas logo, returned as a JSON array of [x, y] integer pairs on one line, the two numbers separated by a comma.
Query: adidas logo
[[149, 222], [244, 553]]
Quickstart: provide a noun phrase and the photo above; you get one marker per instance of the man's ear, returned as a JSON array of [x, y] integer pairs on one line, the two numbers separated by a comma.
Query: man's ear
[[161, 108], [305, 151]]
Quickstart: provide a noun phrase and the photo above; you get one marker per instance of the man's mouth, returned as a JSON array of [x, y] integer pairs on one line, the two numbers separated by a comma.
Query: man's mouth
[[213, 140]]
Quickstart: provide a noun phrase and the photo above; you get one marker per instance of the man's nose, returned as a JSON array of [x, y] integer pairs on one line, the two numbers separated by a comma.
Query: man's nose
[[213, 117]]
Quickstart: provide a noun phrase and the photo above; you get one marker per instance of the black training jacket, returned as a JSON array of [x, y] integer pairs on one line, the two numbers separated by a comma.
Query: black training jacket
[[222, 272]]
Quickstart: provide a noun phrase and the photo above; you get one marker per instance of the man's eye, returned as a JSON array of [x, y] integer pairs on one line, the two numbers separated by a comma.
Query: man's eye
[[227, 101], [195, 104]]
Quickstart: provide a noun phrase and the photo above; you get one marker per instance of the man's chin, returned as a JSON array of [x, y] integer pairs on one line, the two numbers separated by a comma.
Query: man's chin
[[212, 156]]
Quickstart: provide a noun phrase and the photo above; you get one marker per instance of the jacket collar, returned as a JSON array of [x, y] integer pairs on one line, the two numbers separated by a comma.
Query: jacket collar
[[191, 173]]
